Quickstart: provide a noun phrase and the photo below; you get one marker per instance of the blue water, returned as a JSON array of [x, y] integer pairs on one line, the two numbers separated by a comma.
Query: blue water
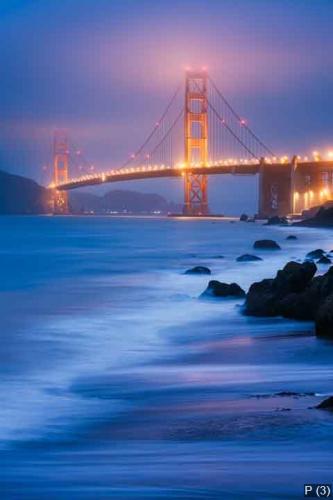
[[118, 382]]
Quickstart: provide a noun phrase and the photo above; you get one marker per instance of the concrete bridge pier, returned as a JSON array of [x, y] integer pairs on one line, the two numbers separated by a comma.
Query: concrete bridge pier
[[276, 188]]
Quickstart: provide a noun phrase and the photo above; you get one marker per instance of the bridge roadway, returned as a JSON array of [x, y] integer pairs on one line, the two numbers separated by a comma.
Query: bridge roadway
[[153, 172], [160, 171]]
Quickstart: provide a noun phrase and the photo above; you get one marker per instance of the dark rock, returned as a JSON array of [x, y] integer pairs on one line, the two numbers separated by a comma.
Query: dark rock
[[271, 297], [327, 404], [248, 258], [244, 218], [266, 245], [198, 270], [315, 254], [291, 237], [324, 318], [275, 220], [324, 260], [217, 289], [323, 217]]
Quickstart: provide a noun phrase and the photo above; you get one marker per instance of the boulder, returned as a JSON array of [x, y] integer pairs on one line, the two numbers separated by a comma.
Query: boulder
[[322, 217], [324, 318], [217, 289], [324, 260], [275, 220], [266, 245], [327, 404], [244, 218], [272, 297], [198, 270], [248, 258], [291, 237], [315, 254]]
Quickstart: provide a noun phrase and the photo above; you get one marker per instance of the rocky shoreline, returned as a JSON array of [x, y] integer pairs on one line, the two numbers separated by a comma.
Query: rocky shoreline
[[296, 292]]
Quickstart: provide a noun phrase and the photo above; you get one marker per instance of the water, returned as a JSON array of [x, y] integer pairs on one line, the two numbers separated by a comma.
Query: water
[[118, 382]]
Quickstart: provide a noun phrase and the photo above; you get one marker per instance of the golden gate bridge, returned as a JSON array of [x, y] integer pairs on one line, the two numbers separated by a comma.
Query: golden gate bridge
[[200, 134]]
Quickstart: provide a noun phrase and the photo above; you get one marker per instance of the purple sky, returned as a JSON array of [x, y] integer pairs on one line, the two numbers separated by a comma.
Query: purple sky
[[104, 70]]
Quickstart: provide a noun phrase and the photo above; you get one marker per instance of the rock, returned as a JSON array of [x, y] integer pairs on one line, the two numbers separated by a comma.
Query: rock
[[275, 220], [322, 217], [248, 258], [270, 297], [324, 260], [291, 237], [324, 318], [198, 270], [266, 245], [244, 218], [327, 404], [315, 254], [217, 289]]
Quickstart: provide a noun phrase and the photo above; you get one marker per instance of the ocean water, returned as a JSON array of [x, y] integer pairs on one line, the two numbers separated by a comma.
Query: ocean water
[[118, 381]]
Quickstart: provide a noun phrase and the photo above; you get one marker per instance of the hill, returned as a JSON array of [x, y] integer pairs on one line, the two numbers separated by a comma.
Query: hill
[[121, 201], [20, 195]]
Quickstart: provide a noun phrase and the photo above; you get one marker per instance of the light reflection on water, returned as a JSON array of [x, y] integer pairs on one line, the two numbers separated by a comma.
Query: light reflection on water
[[113, 370]]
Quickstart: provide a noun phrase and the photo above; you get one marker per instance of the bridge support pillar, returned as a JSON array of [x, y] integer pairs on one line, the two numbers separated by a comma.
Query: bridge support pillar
[[275, 189], [196, 143], [60, 171]]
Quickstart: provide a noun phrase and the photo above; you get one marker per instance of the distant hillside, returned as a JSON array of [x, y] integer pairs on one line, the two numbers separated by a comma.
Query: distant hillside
[[121, 201], [20, 195]]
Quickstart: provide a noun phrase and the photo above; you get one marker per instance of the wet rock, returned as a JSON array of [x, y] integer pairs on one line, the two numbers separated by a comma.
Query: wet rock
[[248, 258], [198, 270], [271, 297], [315, 254], [322, 217], [324, 260], [217, 289], [327, 404], [324, 318], [266, 245], [276, 220], [291, 237], [244, 218]]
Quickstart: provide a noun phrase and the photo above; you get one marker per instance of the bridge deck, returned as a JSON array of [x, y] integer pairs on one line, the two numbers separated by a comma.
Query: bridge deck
[[156, 172], [153, 172]]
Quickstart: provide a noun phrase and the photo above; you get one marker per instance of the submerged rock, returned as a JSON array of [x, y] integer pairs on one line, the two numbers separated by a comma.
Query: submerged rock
[[198, 270], [248, 258], [327, 404], [315, 254], [266, 245], [276, 220], [217, 289], [324, 260], [271, 297], [291, 237]]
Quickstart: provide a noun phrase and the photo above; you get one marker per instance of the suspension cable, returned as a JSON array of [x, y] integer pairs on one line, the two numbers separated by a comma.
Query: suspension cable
[[236, 115], [156, 127]]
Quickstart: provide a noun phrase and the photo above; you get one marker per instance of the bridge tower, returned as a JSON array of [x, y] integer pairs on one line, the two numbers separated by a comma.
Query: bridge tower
[[196, 142], [60, 170]]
